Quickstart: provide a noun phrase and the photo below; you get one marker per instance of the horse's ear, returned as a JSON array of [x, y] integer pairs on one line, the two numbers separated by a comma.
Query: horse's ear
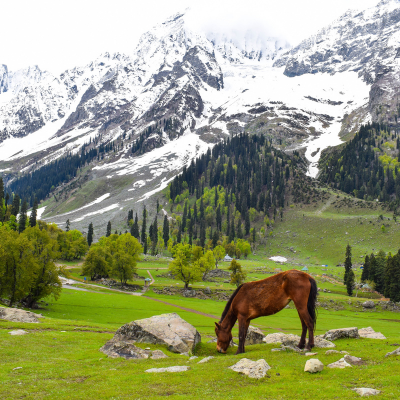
[[217, 325]]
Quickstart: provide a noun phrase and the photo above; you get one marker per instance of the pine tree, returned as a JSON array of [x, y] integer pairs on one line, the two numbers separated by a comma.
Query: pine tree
[[1, 191], [32, 218], [15, 206], [108, 233], [202, 233], [67, 225], [201, 210], [347, 264], [232, 231], [228, 227], [365, 272], [247, 223], [350, 282], [145, 244], [190, 229], [158, 206], [239, 233], [144, 236], [394, 290], [179, 236], [154, 237], [215, 239], [135, 228], [166, 231], [184, 217], [22, 217], [90, 234], [219, 218]]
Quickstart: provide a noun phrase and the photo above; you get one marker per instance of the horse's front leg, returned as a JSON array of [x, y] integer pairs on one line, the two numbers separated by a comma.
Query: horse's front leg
[[243, 327]]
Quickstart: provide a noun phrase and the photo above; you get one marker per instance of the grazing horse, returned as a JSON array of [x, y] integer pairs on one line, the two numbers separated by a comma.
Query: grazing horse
[[266, 297]]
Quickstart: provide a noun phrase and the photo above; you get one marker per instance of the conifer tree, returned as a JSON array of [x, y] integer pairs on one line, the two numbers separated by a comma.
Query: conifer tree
[[145, 244], [347, 263], [190, 229], [166, 231], [365, 272], [32, 218], [154, 237], [239, 233], [219, 218], [135, 228], [90, 234], [108, 233], [228, 228], [350, 282], [247, 223], [179, 235], [184, 217], [202, 233], [158, 206], [144, 236], [232, 231], [201, 210], [22, 217], [1, 190], [15, 206]]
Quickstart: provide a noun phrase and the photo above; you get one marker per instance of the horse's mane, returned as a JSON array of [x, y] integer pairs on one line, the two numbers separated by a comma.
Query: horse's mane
[[228, 304]]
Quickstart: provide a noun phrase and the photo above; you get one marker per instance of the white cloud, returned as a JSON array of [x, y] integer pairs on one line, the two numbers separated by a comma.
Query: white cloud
[[57, 35]]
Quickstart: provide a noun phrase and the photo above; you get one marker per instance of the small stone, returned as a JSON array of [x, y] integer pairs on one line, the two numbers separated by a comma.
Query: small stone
[[184, 354], [313, 365], [158, 354], [344, 352], [329, 352], [147, 348], [18, 332], [310, 354], [394, 353], [169, 369], [339, 364], [17, 368], [206, 359], [193, 358], [253, 369], [353, 360], [278, 374], [364, 392], [277, 349]]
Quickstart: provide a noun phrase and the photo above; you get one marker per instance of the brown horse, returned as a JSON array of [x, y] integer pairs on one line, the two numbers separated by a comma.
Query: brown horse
[[266, 297]]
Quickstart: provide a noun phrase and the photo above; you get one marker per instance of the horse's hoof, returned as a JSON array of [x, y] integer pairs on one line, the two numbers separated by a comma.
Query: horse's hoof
[[301, 346]]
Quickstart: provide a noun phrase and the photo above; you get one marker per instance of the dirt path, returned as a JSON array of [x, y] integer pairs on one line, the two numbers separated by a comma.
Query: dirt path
[[325, 206], [183, 308]]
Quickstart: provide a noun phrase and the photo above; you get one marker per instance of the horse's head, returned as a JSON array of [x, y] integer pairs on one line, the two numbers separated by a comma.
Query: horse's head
[[223, 338]]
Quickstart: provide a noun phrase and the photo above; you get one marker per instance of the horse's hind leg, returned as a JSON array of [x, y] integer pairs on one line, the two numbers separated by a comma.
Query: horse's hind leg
[[308, 322], [302, 342], [243, 327]]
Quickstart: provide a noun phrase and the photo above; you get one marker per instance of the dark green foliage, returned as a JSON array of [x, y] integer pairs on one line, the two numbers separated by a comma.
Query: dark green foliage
[[347, 264], [144, 227], [1, 190], [166, 231], [365, 272], [15, 206], [22, 217], [350, 282], [135, 228], [90, 234], [32, 218], [108, 232], [67, 225]]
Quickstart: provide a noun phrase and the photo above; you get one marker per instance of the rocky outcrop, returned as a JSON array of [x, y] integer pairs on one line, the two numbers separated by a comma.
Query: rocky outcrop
[[254, 336], [253, 369], [343, 333], [166, 329], [313, 365], [369, 333], [17, 315]]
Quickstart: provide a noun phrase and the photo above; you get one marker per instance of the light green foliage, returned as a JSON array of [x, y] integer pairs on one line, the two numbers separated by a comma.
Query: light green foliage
[[219, 253], [237, 275], [190, 264], [244, 247], [73, 245], [95, 264]]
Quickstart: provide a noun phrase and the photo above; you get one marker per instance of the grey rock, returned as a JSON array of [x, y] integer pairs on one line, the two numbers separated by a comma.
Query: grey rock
[[254, 336], [313, 365], [329, 352], [166, 329], [207, 290], [189, 293], [205, 360], [343, 333], [279, 349], [291, 348], [369, 333], [158, 354], [253, 369], [353, 360], [274, 338], [293, 340], [339, 364], [18, 332], [310, 354], [394, 353], [169, 369], [193, 358], [323, 343], [125, 349], [364, 392], [17, 315], [368, 304]]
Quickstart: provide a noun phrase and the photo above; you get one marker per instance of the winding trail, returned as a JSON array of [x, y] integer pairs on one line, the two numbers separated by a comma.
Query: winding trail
[[325, 206]]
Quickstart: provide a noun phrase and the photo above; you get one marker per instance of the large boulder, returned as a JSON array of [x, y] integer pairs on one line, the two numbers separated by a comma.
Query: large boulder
[[313, 365], [343, 333], [166, 329], [290, 340], [369, 333], [253, 369], [254, 336], [274, 338], [17, 315], [368, 304]]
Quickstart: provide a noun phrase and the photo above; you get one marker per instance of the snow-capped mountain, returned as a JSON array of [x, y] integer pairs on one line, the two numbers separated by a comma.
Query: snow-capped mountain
[[195, 88]]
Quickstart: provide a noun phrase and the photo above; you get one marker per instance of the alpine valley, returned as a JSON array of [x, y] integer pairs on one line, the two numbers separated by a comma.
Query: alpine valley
[[121, 128]]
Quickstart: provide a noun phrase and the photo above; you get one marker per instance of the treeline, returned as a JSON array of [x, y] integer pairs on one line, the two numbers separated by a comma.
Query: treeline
[[383, 270], [367, 166], [229, 188]]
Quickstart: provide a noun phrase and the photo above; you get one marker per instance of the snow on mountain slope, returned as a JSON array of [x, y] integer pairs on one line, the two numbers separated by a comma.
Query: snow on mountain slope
[[207, 85]]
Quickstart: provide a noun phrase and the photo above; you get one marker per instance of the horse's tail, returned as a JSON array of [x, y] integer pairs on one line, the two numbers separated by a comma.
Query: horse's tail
[[312, 301]]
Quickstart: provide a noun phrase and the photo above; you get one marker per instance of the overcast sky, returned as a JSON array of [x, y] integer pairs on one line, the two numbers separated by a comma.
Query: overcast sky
[[57, 35]]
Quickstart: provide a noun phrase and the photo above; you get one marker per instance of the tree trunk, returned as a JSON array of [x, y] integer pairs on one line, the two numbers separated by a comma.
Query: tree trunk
[[186, 286]]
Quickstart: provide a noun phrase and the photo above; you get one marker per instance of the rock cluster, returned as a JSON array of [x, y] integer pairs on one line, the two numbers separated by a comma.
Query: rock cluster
[[290, 340], [166, 329]]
